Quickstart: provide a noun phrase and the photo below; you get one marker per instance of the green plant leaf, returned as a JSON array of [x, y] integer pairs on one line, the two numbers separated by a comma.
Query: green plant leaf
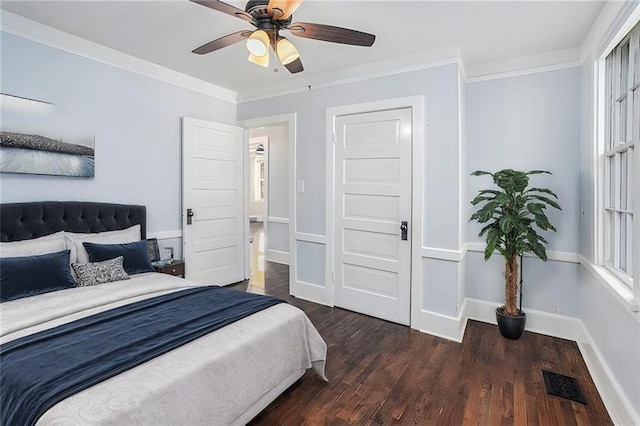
[[549, 201], [486, 228], [543, 190], [512, 214], [507, 223], [481, 198]]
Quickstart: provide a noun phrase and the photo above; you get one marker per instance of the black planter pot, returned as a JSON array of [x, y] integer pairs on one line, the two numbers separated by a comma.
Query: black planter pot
[[510, 327]]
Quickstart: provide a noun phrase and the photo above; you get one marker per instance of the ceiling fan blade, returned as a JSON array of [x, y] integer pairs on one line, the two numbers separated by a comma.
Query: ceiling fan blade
[[332, 34], [222, 42], [282, 9], [295, 66], [225, 8]]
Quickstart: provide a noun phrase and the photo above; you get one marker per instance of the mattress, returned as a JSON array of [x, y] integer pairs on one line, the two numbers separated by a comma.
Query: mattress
[[225, 377]]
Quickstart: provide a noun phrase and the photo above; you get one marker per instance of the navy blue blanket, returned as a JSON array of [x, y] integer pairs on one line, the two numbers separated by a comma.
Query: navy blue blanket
[[42, 369]]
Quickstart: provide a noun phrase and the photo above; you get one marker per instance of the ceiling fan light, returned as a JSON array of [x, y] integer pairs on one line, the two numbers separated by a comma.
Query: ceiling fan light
[[282, 9], [258, 43], [263, 60], [286, 51]]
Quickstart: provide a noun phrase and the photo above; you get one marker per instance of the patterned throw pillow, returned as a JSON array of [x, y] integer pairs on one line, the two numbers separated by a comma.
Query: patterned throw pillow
[[100, 272]]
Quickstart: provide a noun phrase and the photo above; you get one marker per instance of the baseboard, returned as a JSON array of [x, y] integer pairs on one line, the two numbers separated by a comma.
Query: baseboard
[[537, 321], [311, 292], [452, 328], [277, 256], [618, 405], [444, 326]]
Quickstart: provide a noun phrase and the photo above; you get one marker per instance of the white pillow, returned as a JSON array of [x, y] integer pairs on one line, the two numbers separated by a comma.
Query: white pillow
[[79, 254], [48, 244]]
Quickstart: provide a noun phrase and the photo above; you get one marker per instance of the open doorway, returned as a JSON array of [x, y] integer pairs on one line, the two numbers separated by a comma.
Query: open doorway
[[257, 212], [268, 200]]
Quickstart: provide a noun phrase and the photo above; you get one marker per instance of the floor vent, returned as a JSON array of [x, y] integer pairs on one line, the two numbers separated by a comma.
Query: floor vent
[[563, 386]]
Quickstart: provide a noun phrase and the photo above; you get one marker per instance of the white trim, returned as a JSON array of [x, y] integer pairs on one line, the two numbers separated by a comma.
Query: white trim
[[165, 235], [311, 238], [35, 31], [442, 254], [245, 197], [243, 99], [546, 61], [527, 71], [539, 322], [392, 66], [444, 326], [312, 292], [619, 291], [275, 219], [615, 400], [463, 69], [558, 256], [600, 27], [416, 103], [277, 256], [615, 25], [290, 121]]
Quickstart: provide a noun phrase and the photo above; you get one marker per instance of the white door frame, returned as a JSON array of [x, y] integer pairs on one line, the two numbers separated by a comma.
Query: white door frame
[[274, 120], [417, 183]]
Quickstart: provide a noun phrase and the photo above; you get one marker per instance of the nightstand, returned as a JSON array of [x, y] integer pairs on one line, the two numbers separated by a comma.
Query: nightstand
[[175, 268]]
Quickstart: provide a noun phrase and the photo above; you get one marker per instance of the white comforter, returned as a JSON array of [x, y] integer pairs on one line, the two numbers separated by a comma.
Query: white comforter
[[226, 377]]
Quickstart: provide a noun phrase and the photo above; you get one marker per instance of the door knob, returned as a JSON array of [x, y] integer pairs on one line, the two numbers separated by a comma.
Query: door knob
[[189, 216], [404, 227]]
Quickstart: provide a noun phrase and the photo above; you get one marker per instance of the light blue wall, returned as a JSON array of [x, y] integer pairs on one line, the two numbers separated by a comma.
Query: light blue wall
[[615, 331], [136, 121], [439, 165], [524, 123], [439, 87]]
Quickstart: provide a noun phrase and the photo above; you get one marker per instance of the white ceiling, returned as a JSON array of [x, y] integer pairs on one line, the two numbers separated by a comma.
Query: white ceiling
[[165, 32]]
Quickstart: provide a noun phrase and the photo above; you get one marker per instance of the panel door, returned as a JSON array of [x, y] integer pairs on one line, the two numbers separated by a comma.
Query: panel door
[[213, 192], [372, 263]]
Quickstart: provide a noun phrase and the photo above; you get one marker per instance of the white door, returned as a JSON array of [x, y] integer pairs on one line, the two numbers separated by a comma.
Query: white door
[[213, 202], [372, 198]]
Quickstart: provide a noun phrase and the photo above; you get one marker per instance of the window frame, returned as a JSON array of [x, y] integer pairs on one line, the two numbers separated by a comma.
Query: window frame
[[615, 143], [259, 178]]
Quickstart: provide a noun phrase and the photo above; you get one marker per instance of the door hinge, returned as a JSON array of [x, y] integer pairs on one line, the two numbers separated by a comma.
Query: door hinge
[[334, 138]]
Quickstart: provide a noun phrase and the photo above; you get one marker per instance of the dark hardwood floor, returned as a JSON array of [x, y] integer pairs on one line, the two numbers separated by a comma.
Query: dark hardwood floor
[[384, 373]]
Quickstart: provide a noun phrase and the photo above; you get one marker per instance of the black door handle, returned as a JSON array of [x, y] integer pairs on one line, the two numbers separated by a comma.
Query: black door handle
[[189, 216], [404, 227]]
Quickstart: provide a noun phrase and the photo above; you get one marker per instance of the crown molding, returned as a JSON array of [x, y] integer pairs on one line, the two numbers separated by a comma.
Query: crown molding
[[548, 61], [388, 67], [49, 36], [609, 28]]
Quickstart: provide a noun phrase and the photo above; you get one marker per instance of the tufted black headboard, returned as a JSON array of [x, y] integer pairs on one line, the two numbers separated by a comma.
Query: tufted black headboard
[[24, 221]]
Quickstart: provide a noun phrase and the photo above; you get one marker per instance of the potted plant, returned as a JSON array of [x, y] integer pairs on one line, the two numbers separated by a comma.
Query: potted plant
[[512, 215]]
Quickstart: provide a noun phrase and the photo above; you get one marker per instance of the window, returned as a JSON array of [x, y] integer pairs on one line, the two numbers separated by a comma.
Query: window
[[622, 132], [259, 179]]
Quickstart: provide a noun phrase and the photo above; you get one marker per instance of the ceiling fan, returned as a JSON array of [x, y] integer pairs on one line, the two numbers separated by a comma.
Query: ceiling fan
[[269, 17]]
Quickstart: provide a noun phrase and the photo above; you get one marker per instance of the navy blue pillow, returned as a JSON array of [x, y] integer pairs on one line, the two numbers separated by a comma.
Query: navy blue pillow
[[136, 255], [31, 275]]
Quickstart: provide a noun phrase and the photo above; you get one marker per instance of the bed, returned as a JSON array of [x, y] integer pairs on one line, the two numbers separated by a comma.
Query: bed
[[225, 377]]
